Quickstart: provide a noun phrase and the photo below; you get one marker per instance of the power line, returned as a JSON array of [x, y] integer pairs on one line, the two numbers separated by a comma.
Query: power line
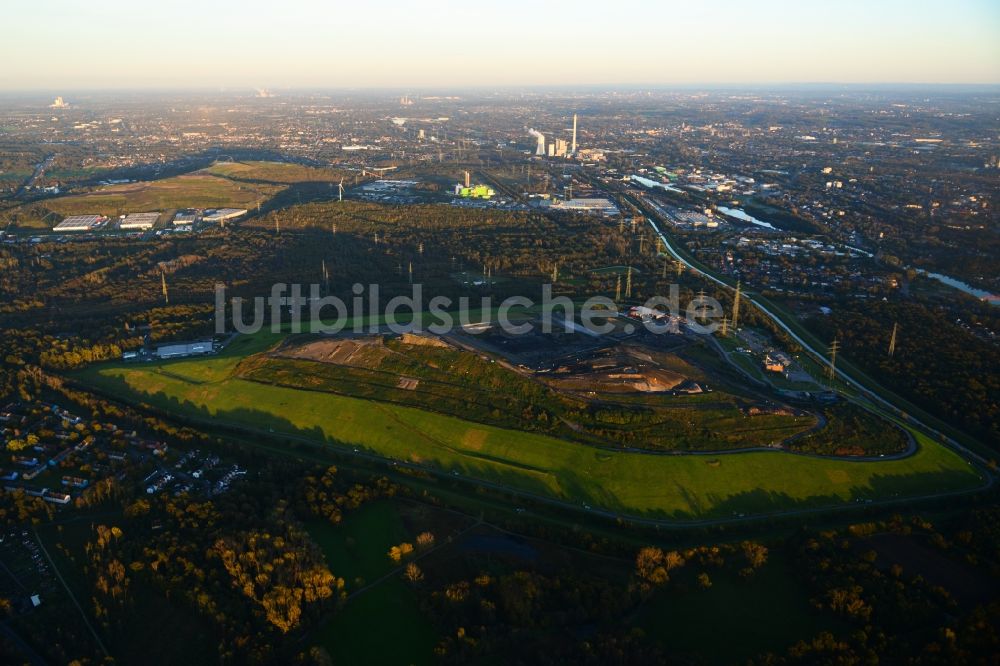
[[834, 348]]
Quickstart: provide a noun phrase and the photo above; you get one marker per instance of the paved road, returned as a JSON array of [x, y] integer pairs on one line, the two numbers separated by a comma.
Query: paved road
[[652, 217], [911, 441], [35, 175]]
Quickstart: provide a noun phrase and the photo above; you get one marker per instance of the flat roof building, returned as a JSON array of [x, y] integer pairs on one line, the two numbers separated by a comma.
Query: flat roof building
[[184, 349], [140, 221], [223, 214], [185, 218], [595, 205], [80, 223]]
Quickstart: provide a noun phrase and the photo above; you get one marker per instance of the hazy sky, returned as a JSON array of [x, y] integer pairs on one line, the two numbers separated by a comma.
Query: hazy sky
[[65, 45]]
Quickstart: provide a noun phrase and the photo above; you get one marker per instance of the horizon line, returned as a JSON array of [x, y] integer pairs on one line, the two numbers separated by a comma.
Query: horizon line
[[632, 87]]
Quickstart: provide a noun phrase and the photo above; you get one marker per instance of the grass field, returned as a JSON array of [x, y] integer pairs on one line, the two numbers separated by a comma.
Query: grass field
[[357, 551], [274, 172], [236, 185], [668, 486]]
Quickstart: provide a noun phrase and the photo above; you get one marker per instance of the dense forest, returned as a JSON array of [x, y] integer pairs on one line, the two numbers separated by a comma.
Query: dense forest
[[938, 364]]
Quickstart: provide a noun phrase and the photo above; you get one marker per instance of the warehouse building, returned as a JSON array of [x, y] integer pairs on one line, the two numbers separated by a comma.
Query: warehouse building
[[185, 349], [80, 223], [596, 205], [223, 214], [139, 221]]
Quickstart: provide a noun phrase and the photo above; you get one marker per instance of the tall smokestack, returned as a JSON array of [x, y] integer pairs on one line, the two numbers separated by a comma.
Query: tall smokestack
[[572, 149]]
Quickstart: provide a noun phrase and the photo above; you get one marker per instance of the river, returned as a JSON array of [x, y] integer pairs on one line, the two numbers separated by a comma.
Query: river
[[740, 214], [981, 294], [652, 183]]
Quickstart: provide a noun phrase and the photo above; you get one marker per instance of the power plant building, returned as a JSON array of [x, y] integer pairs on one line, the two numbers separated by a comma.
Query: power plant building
[[475, 192]]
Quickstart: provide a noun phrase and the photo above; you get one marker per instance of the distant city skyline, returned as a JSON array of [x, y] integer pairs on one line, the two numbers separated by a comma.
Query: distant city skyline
[[107, 44]]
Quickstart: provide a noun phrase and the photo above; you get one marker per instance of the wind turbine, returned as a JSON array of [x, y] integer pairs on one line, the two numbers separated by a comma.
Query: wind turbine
[[340, 190]]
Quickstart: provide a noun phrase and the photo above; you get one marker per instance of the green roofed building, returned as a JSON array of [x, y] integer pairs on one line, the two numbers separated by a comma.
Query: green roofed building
[[475, 192]]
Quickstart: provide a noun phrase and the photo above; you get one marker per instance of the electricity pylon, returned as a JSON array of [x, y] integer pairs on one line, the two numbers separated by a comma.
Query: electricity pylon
[[736, 306], [834, 348]]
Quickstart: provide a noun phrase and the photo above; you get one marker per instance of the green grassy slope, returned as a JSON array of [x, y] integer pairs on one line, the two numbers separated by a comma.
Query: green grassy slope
[[677, 486]]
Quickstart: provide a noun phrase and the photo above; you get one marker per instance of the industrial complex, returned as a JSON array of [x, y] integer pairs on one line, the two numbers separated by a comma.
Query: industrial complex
[[146, 221]]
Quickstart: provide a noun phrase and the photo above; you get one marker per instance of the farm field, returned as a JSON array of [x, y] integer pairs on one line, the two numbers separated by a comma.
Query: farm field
[[678, 487]]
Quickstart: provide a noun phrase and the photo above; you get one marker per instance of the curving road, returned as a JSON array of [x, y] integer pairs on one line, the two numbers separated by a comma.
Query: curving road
[[652, 217]]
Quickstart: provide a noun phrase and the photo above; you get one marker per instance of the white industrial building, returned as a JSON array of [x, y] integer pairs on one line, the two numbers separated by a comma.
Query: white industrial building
[[139, 221], [185, 218], [80, 223], [695, 219], [595, 205], [185, 349], [223, 214]]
